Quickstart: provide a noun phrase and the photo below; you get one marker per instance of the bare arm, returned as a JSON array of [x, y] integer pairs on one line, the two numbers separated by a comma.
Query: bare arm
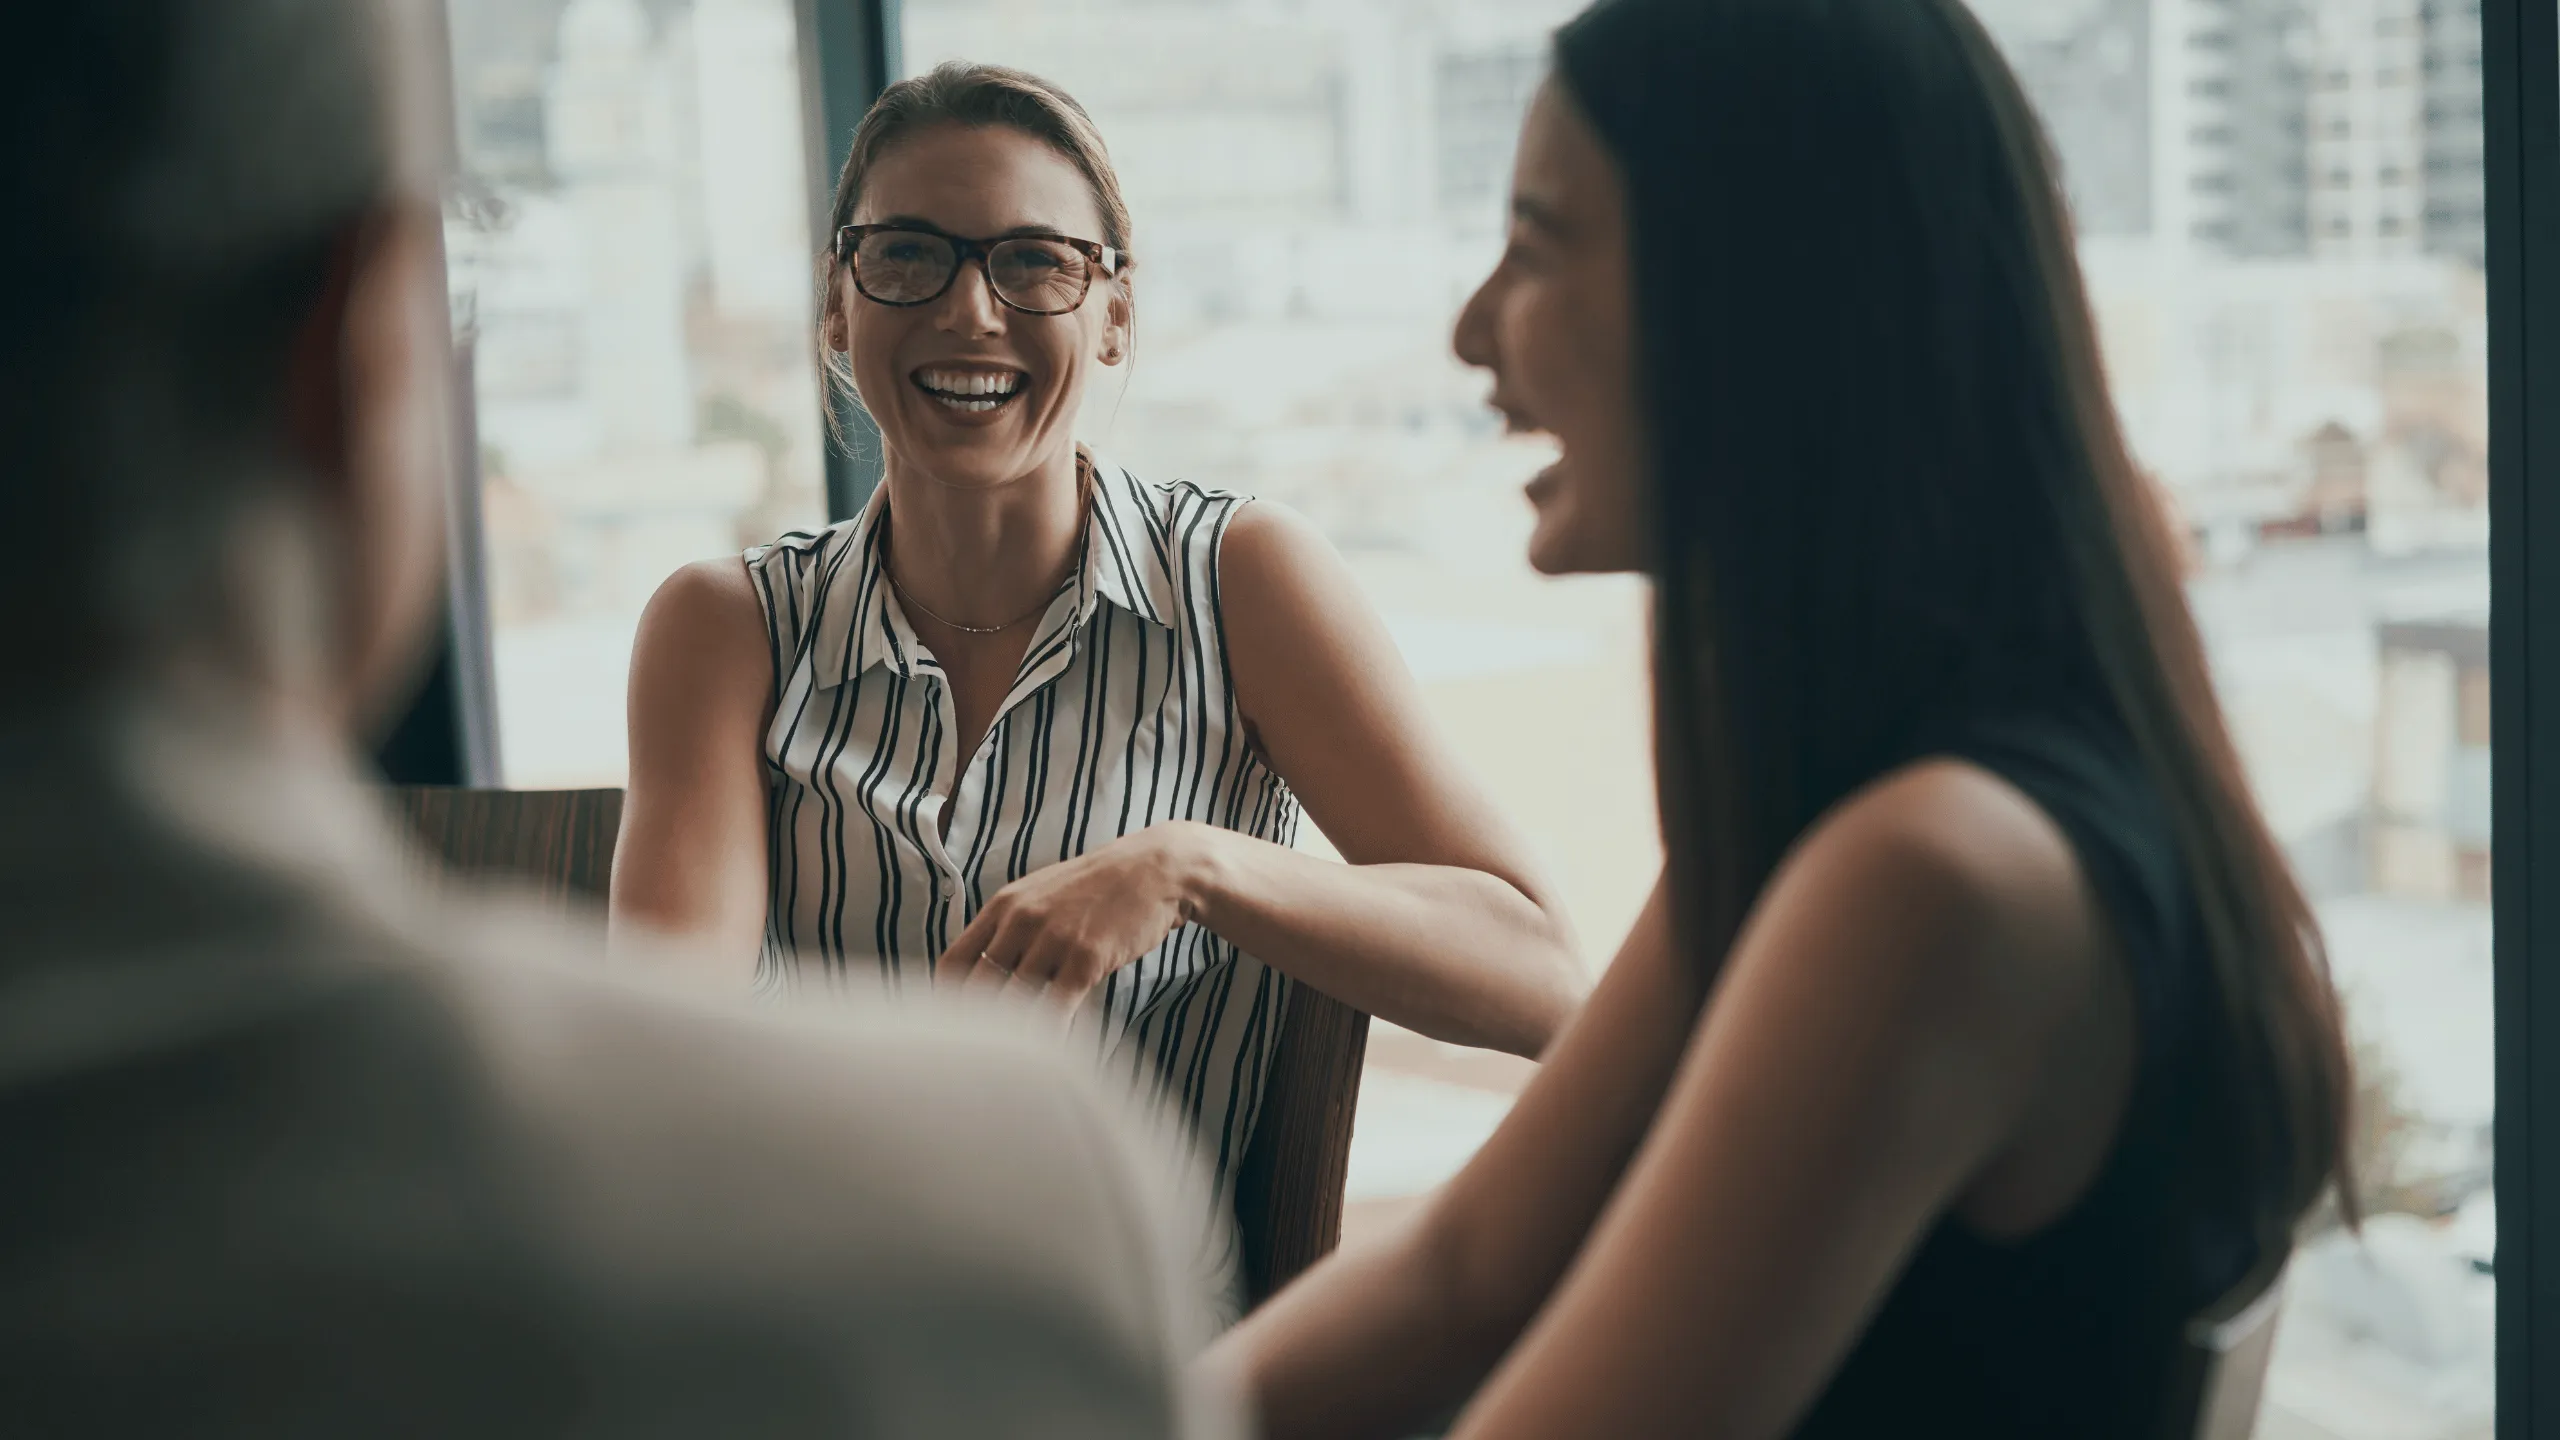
[[1440, 922], [1375, 1342], [1437, 924], [1882, 1026], [691, 859], [1912, 980]]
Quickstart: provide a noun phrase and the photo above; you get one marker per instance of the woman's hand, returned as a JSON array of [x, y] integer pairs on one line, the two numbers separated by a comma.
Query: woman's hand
[[1068, 926]]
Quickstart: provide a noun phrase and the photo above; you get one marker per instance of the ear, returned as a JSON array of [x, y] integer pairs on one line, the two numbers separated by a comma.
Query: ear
[[366, 426], [318, 400], [1119, 321], [835, 323]]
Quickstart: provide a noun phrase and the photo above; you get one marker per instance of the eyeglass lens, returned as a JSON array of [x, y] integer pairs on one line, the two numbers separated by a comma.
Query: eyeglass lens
[[908, 267]]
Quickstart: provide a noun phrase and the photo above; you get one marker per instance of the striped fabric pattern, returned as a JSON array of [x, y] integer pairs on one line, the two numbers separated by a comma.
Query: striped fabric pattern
[[1121, 717]]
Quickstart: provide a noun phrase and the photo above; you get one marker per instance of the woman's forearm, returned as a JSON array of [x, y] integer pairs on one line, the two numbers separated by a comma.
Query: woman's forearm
[[1373, 1344], [1454, 954], [1381, 1340], [725, 945]]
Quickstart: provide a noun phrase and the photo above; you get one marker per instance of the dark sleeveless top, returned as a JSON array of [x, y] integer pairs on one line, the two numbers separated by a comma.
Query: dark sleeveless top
[[2071, 1330]]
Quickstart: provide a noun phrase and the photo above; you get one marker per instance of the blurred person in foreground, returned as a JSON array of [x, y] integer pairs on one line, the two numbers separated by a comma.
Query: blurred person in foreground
[[1977, 1035], [293, 1149]]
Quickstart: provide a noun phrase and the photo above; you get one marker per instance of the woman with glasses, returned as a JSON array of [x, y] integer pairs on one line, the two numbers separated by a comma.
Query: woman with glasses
[[1034, 723], [1977, 1036]]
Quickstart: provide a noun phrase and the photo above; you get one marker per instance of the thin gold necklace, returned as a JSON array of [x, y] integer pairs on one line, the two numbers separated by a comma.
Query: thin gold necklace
[[1085, 480], [925, 610]]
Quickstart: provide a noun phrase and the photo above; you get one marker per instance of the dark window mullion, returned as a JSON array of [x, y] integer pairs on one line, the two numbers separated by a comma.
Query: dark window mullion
[[2521, 83], [448, 734], [848, 55]]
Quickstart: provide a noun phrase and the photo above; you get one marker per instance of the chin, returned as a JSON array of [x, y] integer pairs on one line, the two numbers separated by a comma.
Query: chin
[[966, 466], [1554, 548], [1558, 549], [1545, 561]]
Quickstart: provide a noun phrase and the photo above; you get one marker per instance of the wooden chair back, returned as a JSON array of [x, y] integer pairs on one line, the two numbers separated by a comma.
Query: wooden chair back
[[2222, 1364], [1289, 1189], [558, 842]]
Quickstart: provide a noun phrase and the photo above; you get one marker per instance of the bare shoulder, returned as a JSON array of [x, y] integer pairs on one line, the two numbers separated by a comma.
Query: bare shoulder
[[1961, 826], [1314, 663], [1271, 553], [707, 599], [1947, 869], [704, 624], [1289, 600]]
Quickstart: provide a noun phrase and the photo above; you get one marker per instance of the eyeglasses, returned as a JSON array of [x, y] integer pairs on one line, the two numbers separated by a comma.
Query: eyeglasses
[[1035, 274]]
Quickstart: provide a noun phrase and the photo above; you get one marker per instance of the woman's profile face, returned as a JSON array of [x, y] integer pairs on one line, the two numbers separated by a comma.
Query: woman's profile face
[[969, 391], [1554, 325]]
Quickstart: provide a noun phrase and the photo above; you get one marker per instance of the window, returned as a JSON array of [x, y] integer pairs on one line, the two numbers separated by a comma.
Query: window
[[633, 272], [2322, 425], [630, 260], [1475, 97]]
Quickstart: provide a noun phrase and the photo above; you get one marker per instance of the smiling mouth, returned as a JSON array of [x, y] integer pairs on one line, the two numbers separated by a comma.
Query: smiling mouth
[[972, 391]]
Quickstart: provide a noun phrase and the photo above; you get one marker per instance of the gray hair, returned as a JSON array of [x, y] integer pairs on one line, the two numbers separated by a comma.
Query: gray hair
[[180, 176]]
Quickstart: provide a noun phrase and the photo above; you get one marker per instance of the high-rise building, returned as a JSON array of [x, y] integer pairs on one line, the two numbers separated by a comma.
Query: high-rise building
[[612, 151], [2368, 130], [1479, 94], [2247, 88], [2449, 64], [2087, 67], [2347, 129]]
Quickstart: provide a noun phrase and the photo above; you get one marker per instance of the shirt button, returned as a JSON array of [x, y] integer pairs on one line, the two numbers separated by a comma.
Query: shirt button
[[950, 887]]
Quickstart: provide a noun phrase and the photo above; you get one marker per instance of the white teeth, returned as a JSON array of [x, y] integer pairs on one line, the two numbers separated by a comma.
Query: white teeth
[[970, 382]]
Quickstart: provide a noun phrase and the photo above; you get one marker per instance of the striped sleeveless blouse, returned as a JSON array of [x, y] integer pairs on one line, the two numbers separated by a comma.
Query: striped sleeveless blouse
[[1121, 717]]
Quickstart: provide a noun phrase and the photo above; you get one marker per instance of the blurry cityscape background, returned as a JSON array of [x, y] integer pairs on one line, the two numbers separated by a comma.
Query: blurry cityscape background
[[2280, 213]]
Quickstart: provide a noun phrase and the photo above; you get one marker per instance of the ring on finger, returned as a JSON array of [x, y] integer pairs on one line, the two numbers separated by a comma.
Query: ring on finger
[[993, 963]]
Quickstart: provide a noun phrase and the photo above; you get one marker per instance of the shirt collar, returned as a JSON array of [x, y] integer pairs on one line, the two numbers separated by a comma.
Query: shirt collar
[[1127, 563], [1128, 546]]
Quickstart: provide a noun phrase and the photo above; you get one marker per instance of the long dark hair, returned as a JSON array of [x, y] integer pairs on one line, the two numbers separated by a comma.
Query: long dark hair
[[1890, 486]]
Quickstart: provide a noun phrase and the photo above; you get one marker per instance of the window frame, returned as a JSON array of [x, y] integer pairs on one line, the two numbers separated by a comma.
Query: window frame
[[2520, 52], [848, 55], [448, 734]]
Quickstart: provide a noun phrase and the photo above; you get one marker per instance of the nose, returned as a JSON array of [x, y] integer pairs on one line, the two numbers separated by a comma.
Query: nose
[[1473, 337], [970, 306]]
